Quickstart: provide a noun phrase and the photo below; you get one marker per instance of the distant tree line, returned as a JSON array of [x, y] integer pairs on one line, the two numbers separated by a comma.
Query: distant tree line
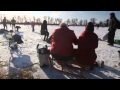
[[75, 22], [55, 21]]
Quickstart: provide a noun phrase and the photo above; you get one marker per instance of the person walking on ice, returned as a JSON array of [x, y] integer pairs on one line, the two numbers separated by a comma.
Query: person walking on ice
[[5, 23], [13, 22]]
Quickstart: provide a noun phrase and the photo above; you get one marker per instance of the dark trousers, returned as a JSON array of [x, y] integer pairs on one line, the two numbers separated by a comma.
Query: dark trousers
[[33, 29], [46, 35], [5, 26], [111, 36], [13, 26]]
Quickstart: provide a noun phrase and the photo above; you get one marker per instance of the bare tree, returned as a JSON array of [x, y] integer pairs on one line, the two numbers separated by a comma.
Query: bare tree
[[59, 20], [48, 19], [25, 19], [22, 20], [45, 17], [85, 22], [81, 22], [73, 21], [76, 21], [51, 20], [68, 21], [55, 21], [29, 19], [107, 22], [101, 23], [18, 18], [34, 19], [1, 18], [93, 20], [39, 20]]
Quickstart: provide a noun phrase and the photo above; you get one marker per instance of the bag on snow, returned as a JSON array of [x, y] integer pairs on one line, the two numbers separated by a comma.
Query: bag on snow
[[43, 54]]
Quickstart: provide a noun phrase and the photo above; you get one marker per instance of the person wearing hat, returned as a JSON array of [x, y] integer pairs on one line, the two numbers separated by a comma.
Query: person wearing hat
[[87, 43], [112, 29], [62, 41]]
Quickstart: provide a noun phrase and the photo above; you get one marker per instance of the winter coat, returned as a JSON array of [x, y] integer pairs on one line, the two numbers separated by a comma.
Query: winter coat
[[62, 42], [44, 29], [113, 24], [87, 43]]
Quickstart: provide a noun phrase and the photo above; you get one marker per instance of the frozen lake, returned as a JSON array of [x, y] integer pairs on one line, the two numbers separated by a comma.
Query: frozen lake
[[29, 56], [77, 29]]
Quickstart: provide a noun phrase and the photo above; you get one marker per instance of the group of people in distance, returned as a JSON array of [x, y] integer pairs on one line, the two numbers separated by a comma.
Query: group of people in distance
[[62, 40], [13, 22]]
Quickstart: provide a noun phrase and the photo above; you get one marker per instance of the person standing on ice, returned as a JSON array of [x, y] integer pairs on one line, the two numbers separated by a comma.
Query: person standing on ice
[[5, 23], [13, 22], [44, 30], [112, 29], [87, 43], [62, 41], [33, 25]]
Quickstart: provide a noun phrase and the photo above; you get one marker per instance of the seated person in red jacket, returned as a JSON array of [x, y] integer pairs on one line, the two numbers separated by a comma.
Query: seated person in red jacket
[[62, 41], [87, 43]]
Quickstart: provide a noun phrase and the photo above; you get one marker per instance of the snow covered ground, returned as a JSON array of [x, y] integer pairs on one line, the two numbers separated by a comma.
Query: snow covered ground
[[29, 60]]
